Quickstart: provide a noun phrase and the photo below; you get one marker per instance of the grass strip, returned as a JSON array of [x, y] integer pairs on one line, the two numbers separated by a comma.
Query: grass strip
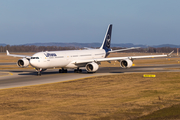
[[123, 96]]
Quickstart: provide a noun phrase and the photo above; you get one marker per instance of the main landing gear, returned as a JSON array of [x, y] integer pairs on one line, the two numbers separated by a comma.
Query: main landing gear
[[62, 70], [39, 71], [77, 70], [65, 70]]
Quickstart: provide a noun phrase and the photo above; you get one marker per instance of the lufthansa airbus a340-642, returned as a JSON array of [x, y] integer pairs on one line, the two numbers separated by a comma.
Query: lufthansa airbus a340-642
[[88, 58]]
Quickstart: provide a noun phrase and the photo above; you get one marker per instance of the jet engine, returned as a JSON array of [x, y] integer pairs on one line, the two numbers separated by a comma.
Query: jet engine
[[92, 67], [127, 63], [23, 62]]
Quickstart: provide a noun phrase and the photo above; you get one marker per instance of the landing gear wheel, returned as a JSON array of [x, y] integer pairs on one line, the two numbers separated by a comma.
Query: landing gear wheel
[[77, 70], [39, 73], [91, 72], [62, 70], [39, 70], [65, 71], [80, 71]]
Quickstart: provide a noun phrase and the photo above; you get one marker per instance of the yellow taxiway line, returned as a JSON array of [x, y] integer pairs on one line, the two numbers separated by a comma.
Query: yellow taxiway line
[[8, 74]]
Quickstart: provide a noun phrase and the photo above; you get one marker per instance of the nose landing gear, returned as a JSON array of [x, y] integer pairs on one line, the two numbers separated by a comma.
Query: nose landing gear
[[39, 73], [39, 70]]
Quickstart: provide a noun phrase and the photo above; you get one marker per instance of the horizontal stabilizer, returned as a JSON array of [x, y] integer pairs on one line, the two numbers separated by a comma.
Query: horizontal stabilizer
[[170, 53], [86, 48]]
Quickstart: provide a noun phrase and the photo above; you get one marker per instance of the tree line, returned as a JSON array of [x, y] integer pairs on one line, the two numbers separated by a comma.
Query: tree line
[[33, 48]]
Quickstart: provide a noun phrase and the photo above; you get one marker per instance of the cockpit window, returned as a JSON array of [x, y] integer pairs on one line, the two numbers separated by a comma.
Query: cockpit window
[[34, 57]]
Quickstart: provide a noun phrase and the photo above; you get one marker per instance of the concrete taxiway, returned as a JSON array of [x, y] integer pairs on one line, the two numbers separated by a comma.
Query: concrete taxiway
[[18, 78], [7, 63]]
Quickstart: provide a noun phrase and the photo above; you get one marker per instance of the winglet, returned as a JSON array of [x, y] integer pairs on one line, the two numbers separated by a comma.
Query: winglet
[[170, 53], [7, 52]]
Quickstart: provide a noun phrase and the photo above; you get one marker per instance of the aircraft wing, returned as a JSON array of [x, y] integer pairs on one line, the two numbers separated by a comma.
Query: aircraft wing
[[123, 49], [23, 56], [119, 58]]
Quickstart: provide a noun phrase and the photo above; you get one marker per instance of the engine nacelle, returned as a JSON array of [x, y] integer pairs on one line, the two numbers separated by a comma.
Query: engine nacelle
[[92, 67], [23, 62], [127, 63]]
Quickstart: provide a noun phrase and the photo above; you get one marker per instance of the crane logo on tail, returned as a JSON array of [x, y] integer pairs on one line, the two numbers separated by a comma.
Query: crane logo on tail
[[108, 41]]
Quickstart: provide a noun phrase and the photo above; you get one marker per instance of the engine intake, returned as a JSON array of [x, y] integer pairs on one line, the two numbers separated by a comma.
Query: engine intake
[[126, 63], [92, 67], [23, 62]]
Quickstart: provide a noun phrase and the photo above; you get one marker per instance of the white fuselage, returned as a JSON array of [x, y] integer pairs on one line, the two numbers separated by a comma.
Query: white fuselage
[[64, 59]]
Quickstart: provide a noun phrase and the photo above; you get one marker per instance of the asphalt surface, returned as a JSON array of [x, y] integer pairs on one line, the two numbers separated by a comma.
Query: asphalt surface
[[18, 78], [7, 63]]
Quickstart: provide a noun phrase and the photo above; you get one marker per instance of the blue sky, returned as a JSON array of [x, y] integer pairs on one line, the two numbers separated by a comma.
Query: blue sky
[[148, 22]]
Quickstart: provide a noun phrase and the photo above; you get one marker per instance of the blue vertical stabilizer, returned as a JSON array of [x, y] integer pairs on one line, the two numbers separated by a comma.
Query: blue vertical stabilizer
[[107, 39]]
